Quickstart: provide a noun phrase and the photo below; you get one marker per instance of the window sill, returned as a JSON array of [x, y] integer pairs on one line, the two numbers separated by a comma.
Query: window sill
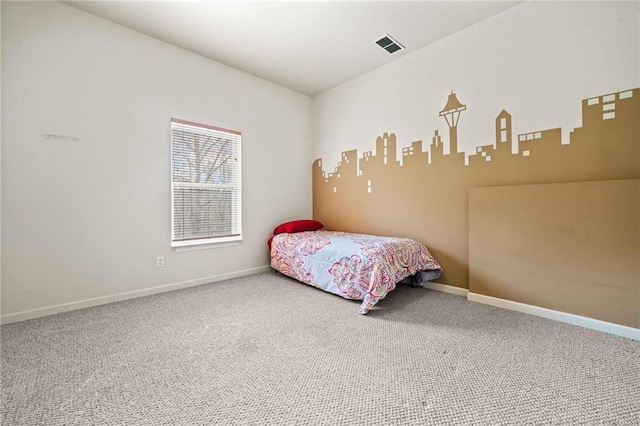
[[205, 244]]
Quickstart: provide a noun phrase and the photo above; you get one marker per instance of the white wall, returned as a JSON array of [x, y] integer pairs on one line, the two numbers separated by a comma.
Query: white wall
[[537, 60], [86, 213], [0, 162]]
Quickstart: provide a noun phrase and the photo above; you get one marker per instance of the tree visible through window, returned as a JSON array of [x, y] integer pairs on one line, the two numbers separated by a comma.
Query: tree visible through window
[[205, 184]]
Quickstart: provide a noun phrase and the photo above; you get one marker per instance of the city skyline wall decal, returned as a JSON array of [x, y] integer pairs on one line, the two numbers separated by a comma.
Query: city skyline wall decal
[[423, 194]]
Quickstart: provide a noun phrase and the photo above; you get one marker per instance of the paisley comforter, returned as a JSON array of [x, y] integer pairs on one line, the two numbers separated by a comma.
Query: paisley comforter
[[354, 266]]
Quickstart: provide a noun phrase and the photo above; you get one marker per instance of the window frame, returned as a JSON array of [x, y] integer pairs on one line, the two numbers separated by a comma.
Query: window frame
[[235, 187]]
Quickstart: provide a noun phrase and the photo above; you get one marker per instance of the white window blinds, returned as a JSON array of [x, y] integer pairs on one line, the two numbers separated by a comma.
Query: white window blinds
[[206, 198]]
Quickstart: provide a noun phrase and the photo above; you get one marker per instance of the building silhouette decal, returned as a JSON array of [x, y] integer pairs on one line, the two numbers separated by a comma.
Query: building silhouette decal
[[596, 113]]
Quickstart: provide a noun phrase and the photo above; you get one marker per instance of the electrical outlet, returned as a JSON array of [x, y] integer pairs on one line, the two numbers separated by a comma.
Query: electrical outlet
[[160, 261]]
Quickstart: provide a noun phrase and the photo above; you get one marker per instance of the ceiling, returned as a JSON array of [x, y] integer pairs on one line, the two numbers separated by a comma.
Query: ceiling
[[308, 46]]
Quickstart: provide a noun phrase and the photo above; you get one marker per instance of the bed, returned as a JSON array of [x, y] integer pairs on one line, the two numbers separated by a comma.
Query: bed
[[354, 266]]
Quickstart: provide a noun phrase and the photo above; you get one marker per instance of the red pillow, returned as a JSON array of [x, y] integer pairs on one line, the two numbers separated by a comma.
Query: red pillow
[[298, 226]]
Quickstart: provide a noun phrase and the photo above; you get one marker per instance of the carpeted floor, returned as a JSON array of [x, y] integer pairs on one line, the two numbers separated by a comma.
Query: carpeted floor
[[267, 350]]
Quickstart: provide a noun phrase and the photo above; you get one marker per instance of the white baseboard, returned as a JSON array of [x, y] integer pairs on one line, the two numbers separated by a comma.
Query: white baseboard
[[79, 304], [594, 324], [458, 291]]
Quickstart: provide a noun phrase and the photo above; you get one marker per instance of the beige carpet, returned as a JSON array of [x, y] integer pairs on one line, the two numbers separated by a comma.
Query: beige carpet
[[266, 350]]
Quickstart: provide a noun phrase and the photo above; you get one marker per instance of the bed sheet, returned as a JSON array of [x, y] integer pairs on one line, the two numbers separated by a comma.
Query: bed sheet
[[354, 266]]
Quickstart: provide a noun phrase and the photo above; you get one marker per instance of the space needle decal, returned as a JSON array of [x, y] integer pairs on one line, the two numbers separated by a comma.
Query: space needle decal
[[451, 113]]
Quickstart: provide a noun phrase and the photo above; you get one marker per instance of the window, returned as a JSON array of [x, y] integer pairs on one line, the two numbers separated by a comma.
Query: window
[[206, 198], [625, 95]]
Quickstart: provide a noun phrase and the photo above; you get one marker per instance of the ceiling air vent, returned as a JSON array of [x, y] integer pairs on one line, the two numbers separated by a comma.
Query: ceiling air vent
[[389, 44]]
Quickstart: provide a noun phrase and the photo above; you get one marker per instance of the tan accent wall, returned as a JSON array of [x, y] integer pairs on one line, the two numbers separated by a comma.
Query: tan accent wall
[[571, 247], [425, 196]]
